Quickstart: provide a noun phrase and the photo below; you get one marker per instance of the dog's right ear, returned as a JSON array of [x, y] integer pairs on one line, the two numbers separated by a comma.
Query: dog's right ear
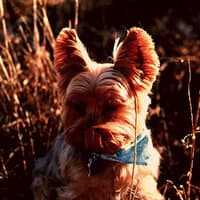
[[70, 58]]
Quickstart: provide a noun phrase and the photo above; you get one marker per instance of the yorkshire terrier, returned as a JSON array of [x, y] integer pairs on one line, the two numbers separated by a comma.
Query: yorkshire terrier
[[106, 151]]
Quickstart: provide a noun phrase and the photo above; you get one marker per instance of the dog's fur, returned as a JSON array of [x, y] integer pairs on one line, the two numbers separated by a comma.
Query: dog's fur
[[104, 109]]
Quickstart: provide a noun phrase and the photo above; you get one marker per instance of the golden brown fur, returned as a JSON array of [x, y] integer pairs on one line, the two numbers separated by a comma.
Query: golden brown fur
[[104, 109]]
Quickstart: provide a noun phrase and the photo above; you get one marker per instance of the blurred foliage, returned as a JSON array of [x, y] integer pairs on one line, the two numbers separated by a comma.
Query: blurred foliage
[[30, 109]]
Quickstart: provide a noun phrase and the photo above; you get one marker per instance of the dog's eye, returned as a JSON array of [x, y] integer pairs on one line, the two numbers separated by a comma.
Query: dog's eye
[[78, 107], [110, 108]]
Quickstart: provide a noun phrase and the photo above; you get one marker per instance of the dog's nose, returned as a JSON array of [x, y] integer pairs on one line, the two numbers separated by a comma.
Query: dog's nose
[[92, 116], [91, 121]]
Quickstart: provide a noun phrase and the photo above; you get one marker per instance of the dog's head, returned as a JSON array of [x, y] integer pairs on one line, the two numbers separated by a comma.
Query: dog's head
[[104, 105]]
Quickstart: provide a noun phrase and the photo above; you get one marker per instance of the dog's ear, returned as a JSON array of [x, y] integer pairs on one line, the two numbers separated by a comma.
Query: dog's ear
[[137, 60], [70, 58]]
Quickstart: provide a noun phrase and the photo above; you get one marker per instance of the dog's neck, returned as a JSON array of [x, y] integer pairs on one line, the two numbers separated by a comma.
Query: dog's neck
[[138, 152]]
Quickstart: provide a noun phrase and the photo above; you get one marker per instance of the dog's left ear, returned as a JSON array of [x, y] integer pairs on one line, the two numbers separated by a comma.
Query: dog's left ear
[[70, 58], [137, 60]]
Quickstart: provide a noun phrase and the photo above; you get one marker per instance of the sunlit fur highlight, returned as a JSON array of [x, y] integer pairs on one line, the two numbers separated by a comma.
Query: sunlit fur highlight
[[136, 59], [69, 48], [104, 108]]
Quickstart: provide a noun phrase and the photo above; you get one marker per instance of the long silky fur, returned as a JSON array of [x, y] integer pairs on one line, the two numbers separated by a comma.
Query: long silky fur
[[63, 173]]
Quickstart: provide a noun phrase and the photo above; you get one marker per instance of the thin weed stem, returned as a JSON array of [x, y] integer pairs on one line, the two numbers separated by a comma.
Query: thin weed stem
[[3, 165], [76, 15], [193, 145], [36, 38], [3, 23], [170, 183]]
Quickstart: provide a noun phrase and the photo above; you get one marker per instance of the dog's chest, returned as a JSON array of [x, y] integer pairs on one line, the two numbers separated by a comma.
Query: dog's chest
[[107, 183]]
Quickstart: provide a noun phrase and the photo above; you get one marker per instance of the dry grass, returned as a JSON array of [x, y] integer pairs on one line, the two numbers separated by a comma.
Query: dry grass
[[30, 109]]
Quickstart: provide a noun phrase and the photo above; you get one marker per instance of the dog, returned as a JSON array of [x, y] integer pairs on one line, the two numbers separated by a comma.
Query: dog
[[106, 151]]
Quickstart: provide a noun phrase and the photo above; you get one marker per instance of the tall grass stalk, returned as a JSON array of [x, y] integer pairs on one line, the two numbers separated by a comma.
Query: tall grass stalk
[[3, 23], [76, 14], [193, 135]]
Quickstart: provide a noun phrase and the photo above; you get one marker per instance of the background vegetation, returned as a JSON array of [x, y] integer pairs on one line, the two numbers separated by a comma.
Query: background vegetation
[[29, 106]]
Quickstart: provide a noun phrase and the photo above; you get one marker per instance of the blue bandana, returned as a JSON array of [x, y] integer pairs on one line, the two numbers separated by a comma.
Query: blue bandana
[[126, 156]]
